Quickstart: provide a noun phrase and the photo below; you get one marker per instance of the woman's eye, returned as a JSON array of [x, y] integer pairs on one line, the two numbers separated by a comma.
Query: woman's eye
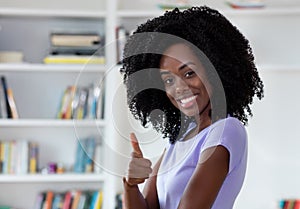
[[168, 81], [189, 74]]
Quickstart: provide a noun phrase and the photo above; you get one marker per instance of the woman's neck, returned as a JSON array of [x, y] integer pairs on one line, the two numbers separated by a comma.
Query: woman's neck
[[202, 121]]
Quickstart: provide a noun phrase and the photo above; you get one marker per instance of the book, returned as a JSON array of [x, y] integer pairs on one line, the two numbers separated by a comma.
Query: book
[[58, 201], [74, 59], [4, 87], [250, 4], [99, 200], [33, 157], [65, 109], [297, 204], [79, 157], [76, 199], [67, 200], [82, 201], [93, 98], [100, 103], [13, 156], [79, 103], [94, 200], [73, 39], [48, 200], [23, 157], [3, 104], [39, 200], [1, 157], [70, 50], [12, 104], [90, 145], [89, 197], [6, 156]]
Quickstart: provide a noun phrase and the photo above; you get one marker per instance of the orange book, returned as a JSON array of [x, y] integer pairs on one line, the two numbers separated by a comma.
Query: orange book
[[48, 200], [76, 199], [12, 104]]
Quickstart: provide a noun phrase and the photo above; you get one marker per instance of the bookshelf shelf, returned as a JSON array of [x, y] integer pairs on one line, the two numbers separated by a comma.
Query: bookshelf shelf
[[283, 68], [53, 178], [27, 67], [268, 11], [50, 123], [51, 13]]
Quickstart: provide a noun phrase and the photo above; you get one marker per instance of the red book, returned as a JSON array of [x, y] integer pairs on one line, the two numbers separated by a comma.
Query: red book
[[67, 201], [297, 204]]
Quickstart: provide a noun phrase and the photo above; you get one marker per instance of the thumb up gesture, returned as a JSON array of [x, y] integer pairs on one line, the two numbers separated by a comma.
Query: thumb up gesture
[[139, 167]]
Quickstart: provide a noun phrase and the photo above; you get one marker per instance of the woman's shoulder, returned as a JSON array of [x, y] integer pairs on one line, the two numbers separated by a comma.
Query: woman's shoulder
[[228, 124], [230, 131]]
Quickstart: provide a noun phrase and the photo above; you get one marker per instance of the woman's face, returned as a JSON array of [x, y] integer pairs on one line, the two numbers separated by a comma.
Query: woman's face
[[185, 80]]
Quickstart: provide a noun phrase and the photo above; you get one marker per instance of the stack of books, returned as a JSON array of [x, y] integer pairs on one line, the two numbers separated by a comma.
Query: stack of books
[[75, 199], [18, 157], [75, 48]]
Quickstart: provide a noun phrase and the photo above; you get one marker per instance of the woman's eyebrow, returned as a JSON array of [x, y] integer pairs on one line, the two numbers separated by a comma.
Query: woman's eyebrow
[[162, 72], [185, 65]]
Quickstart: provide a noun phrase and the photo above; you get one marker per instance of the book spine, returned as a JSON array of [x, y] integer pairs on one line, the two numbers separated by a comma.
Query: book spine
[[33, 160], [1, 156], [4, 86], [12, 104], [3, 105]]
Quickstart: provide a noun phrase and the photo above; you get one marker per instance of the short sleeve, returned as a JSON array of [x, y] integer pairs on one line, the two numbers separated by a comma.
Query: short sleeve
[[231, 134]]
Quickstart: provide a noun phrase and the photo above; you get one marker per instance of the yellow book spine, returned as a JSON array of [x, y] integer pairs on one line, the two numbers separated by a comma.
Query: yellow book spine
[[99, 201]]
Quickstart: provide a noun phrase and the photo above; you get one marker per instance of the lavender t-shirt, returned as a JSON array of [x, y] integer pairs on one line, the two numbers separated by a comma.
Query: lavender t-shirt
[[181, 158]]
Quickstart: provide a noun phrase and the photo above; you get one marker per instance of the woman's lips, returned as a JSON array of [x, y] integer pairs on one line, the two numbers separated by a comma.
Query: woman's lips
[[187, 102]]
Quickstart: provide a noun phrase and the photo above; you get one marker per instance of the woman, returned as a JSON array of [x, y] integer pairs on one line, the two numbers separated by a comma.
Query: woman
[[191, 75]]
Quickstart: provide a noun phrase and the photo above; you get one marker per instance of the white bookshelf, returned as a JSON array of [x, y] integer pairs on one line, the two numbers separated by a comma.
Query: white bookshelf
[[51, 13], [52, 178], [16, 123], [273, 33], [39, 68]]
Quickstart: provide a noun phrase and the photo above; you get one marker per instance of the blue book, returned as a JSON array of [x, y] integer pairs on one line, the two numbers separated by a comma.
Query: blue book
[[94, 200], [79, 158], [89, 154]]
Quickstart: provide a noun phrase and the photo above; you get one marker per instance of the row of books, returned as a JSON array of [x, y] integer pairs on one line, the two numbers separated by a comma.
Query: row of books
[[82, 102], [75, 47], [75, 199], [88, 155], [18, 157], [8, 107], [289, 204]]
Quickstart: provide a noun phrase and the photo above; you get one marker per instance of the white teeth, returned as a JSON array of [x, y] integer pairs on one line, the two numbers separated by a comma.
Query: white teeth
[[186, 100]]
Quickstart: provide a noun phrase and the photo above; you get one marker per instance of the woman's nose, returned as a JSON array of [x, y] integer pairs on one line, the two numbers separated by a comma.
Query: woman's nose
[[180, 86]]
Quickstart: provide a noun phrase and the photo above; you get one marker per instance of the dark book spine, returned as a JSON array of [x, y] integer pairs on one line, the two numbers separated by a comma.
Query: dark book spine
[[4, 85]]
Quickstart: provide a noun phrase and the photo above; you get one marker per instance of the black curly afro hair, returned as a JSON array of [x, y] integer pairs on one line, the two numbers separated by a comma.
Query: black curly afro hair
[[223, 45]]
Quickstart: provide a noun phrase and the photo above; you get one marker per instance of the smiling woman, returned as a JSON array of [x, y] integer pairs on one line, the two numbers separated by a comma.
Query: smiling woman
[[198, 69], [184, 82]]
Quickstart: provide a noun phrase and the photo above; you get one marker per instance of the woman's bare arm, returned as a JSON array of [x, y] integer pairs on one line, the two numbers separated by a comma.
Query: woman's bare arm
[[205, 183]]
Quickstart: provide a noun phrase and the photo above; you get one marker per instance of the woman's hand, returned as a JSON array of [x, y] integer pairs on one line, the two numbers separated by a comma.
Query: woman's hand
[[139, 167]]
